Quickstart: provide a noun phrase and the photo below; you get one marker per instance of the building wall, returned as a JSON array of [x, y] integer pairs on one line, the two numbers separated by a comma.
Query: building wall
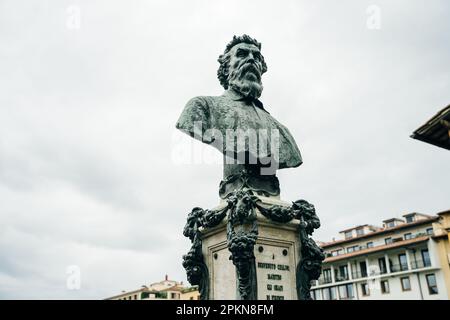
[[442, 228], [191, 295], [443, 249], [417, 269]]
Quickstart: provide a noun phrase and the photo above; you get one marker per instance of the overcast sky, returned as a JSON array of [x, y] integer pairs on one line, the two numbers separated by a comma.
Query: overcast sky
[[91, 91]]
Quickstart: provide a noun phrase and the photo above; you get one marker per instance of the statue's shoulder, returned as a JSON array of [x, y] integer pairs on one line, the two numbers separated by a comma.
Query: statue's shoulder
[[204, 105], [203, 101], [196, 109]]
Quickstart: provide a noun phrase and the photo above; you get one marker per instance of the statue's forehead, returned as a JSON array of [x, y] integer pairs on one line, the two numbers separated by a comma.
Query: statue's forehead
[[243, 45]]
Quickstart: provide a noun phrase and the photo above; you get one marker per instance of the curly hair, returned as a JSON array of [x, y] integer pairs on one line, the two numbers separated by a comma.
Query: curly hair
[[224, 59]]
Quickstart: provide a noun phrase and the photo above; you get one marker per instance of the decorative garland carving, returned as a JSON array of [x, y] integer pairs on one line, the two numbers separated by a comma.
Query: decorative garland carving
[[311, 257], [194, 262], [242, 233], [242, 216], [276, 213]]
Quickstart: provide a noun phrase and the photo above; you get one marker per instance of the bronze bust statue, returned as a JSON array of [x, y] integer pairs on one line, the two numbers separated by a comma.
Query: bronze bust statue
[[254, 144]]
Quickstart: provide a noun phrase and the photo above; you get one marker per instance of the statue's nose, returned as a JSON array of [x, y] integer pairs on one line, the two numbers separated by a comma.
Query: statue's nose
[[251, 58]]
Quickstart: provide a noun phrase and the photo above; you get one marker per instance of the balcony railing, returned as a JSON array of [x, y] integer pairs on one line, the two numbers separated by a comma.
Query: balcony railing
[[364, 274], [324, 281], [341, 277], [399, 267], [420, 264], [382, 270], [359, 274]]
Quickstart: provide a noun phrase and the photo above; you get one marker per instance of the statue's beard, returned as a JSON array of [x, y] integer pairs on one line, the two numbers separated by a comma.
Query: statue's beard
[[246, 80]]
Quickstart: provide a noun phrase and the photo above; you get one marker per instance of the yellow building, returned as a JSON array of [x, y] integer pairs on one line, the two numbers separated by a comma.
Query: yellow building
[[163, 290], [442, 238]]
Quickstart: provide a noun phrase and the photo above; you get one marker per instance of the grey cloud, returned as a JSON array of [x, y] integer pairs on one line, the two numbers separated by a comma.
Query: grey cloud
[[87, 122]]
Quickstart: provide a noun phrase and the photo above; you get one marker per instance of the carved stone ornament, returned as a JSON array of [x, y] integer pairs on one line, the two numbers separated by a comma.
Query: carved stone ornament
[[242, 233], [312, 255]]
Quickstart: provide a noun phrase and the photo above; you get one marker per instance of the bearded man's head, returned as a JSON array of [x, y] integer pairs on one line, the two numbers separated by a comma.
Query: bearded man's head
[[241, 66]]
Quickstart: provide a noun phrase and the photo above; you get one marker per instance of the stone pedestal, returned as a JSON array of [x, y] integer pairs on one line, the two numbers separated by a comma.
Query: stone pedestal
[[253, 247], [277, 254]]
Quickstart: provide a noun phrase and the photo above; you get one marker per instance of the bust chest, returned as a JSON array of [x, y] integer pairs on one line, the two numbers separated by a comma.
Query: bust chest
[[231, 114]]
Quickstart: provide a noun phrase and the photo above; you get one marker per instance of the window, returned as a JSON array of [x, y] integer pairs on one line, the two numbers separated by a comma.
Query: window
[[408, 236], [369, 244], [332, 293], [384, 286], [363, 268], [365, 289], [352, 249], [359, 232], [403, 261], [350, 290], [336, 252], [409, 219], [326, 294], [329, 293], [346, 291], [382, 265], [341, 273], [348, 234], [390, 224], [431, 282], [430, 231], [426, 258], [406, 284], [135, 297], [161, 295], [343, 292], [388, 240], [327, 275]]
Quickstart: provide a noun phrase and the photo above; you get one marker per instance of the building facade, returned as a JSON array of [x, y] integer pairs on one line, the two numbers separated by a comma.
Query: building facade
[[163, 290], [405, 259]]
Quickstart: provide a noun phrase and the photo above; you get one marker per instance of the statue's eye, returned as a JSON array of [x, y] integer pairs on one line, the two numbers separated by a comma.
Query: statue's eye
[[241, 53]]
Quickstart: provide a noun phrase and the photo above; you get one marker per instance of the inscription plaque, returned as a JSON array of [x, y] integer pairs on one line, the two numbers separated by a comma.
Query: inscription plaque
[[275, 273]]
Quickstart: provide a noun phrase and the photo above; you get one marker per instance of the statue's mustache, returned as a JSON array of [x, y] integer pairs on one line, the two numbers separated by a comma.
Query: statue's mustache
[[249, 66]]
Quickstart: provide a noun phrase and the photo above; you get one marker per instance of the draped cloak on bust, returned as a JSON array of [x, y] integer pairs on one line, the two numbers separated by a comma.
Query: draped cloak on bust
[[229, 112]]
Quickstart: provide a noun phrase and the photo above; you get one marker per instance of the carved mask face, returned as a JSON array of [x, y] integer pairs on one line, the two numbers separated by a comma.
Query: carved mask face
[[193, 274], [245, 70]]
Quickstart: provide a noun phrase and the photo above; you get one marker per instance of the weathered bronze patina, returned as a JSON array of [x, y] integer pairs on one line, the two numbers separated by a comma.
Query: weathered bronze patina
[[238, 114], [254, 145]]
